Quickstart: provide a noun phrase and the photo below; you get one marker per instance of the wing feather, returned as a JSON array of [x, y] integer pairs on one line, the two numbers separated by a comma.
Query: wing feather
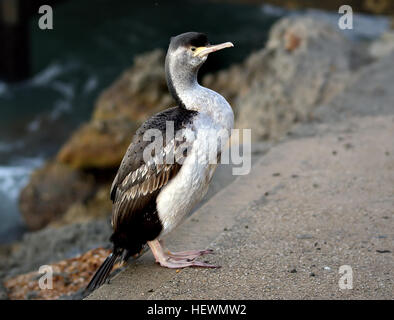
[[142, 186], [137, 182]]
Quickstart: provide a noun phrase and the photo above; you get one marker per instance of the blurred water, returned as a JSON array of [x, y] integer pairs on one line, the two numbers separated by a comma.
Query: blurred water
[[93, 41], [12, 179]]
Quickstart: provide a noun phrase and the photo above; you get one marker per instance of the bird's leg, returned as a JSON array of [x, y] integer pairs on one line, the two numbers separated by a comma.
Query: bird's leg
[[180, 260]]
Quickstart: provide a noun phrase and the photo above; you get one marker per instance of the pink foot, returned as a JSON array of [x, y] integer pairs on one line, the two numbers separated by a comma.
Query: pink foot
[[178, 260], [179, 264], [189, 255]]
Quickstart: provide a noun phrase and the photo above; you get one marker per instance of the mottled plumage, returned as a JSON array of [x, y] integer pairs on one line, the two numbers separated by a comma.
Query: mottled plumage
[[137, 183]]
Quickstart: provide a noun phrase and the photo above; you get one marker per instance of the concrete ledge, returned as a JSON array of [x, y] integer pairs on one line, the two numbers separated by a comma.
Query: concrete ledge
[[309, 206], [312, 204], [197, 232]]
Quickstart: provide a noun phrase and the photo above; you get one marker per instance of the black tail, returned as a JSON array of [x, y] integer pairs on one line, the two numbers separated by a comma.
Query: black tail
[[103, 272]]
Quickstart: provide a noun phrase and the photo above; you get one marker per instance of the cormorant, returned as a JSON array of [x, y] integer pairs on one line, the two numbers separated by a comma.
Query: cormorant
[[152, 196]]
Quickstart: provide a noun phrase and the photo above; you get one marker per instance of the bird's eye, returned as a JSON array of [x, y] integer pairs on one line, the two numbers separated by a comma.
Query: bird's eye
[[193, 48]]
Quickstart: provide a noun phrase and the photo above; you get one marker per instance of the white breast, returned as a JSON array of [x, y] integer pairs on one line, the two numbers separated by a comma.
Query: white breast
[[190, 185]]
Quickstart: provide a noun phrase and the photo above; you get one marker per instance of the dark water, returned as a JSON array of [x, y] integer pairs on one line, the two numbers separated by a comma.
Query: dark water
[[93, 41]]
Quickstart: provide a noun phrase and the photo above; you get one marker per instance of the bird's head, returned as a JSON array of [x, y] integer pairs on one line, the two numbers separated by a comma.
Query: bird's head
[[188, 51]]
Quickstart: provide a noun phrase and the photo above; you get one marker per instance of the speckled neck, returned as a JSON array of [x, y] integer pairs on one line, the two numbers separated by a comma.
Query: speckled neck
[[181, 80]]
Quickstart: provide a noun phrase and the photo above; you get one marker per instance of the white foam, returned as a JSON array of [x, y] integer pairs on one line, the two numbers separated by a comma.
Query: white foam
[[47, 75], [66, 89], [90, 85], [13, 178], [7, 147], [272, 10], [50, 73], [34, 125], [3, 88], [61, 107]]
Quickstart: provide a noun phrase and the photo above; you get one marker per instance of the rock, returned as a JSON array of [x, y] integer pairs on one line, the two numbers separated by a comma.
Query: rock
[[98, 144], [99, 207], [69, 278], [378, 7], [370, 93], [383, 46], [5, 251], [365, 6], [305, 63], [139, 92], [50, 192], [3, 292], [54, 244]]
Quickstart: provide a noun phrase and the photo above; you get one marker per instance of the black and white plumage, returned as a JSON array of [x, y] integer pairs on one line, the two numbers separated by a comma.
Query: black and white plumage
[[151, 197]]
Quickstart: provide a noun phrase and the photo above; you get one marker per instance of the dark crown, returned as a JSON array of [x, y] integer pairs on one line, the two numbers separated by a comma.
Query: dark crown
[[195, 39]]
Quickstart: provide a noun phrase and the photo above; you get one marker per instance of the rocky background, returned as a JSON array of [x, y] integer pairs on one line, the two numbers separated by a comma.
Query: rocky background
[[305, 63], [366, 6]]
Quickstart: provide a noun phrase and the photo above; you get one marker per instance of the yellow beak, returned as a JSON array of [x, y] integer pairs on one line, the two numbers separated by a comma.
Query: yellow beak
[[203, 51]]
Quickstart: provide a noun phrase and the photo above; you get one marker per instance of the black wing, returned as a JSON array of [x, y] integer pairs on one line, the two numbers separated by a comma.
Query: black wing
[[137, 182]]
